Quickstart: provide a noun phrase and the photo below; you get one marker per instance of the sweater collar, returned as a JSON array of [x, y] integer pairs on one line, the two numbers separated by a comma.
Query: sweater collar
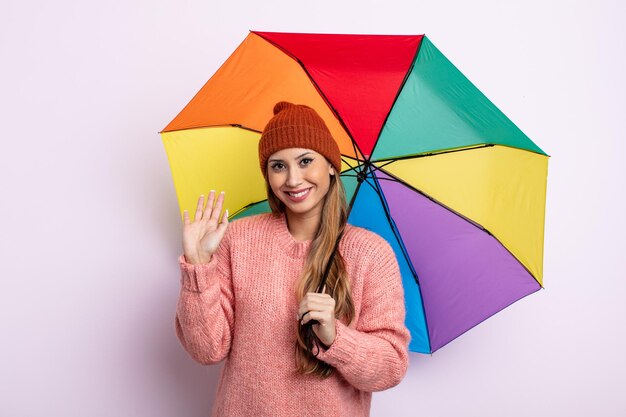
[[285, 240]]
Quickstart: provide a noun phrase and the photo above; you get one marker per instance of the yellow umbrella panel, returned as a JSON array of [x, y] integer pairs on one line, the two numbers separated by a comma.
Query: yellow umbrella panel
[[219, 158]]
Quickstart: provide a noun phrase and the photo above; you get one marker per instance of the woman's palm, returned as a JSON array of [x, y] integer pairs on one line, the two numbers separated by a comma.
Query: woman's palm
[[202, 236]]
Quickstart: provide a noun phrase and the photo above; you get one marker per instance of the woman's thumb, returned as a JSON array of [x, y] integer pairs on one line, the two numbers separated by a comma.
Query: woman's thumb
[[224, 223]]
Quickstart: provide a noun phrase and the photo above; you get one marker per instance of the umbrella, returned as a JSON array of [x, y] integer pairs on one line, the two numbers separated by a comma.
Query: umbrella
[[429, 163]]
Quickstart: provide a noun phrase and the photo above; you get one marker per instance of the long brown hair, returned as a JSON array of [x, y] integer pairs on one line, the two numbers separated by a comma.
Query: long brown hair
[[333, 222]]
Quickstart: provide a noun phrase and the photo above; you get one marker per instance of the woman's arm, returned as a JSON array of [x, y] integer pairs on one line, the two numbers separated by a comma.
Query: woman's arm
[[205, 311], [373, 356]]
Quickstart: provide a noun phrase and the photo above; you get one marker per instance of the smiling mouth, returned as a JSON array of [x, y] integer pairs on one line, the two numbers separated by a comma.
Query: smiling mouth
[[298, 194]]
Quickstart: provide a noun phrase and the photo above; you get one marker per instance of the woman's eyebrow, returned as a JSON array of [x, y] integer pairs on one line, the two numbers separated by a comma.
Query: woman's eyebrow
[[297, 157]]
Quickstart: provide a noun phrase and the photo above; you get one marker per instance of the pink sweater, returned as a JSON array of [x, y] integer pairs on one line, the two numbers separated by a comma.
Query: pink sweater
[[242, 306]]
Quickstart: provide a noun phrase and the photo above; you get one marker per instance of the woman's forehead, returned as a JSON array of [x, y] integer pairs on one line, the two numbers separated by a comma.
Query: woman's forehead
[[292, 153]]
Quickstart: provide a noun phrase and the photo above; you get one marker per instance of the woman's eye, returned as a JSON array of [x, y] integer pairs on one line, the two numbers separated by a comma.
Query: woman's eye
[[277, 166], [306, 161]]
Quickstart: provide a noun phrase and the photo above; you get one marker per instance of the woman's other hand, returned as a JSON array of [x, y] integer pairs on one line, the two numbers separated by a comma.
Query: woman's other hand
[[320, 307], [202, 236]]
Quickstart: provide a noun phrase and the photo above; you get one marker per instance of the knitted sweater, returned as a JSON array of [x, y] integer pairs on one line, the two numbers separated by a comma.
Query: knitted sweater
[[241, 306]]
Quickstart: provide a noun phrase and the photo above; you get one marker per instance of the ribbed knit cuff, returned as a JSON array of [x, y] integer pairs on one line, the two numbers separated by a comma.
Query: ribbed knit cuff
[[343, 349], [195, 277]]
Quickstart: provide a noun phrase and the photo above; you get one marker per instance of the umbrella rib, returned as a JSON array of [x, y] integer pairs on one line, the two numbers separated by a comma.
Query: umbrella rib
[[406, 184], [398, 236], [394, 229], [401, 158], [356, 191], [376, 168], [388, 161], [348, 163], [373, 187], [237, 125], [246, 207]]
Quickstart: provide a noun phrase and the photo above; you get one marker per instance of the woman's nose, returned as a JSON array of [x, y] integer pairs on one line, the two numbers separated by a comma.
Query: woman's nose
[[294, 177]]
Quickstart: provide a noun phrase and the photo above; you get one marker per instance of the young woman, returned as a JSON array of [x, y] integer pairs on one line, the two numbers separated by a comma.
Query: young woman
[[249, 288]]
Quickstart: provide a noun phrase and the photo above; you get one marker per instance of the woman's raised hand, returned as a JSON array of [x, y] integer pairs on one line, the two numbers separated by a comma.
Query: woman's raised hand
[[202, 236]]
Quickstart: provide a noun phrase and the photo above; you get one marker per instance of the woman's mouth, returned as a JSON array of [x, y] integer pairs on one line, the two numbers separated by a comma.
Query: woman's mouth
[[298, 195]]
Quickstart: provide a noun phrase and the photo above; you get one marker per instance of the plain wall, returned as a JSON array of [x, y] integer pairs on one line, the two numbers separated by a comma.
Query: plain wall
[[90, 228]]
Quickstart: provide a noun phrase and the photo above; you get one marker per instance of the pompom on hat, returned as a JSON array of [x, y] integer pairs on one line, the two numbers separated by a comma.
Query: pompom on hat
[[297, 126]]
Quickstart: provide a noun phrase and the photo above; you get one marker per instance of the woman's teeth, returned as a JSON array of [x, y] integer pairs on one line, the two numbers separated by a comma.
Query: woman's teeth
[[300, 194]]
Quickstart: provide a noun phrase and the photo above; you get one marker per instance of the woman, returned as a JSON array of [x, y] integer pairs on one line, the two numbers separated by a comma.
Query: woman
[[249, 288]]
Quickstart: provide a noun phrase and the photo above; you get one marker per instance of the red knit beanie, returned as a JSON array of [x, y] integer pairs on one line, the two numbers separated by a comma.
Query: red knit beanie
[[297, 126]]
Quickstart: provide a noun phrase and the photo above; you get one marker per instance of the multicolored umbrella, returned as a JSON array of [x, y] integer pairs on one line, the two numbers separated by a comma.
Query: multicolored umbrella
[[429, 163]]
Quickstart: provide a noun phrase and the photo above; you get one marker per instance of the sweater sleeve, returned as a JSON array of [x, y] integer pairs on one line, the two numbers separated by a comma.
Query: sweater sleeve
[[205, 312], [373, 355]]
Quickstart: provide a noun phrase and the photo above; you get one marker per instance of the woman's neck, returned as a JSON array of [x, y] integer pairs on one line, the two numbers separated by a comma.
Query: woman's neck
[[303, 226]]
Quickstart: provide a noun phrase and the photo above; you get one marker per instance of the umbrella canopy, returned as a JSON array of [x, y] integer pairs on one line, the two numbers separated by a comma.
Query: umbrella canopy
[[429, 163]]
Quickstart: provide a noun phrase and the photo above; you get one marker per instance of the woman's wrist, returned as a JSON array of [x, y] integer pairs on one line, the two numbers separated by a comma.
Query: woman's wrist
[[198, 259]]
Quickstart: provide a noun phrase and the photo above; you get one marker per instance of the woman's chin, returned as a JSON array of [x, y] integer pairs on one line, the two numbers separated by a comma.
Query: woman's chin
[[300, 209]]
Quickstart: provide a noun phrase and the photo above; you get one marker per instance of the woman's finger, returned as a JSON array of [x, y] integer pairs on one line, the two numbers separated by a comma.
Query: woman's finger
[[215, 215], [224, 223], [321, 316], [185, 217], [198, 215], [209, 205], [315, 306], [315, 303], [317, 296]]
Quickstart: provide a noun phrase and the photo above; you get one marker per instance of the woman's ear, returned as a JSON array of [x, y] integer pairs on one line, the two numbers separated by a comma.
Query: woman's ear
[[331, 170]]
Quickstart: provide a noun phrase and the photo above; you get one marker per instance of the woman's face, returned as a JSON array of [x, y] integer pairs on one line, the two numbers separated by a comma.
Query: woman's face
[[300, 178]]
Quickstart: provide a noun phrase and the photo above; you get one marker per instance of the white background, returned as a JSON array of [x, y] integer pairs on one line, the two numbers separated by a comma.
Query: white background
[[90, 229]]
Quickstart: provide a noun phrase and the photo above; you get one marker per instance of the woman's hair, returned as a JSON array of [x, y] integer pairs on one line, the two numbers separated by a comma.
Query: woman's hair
[[333, 221]]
